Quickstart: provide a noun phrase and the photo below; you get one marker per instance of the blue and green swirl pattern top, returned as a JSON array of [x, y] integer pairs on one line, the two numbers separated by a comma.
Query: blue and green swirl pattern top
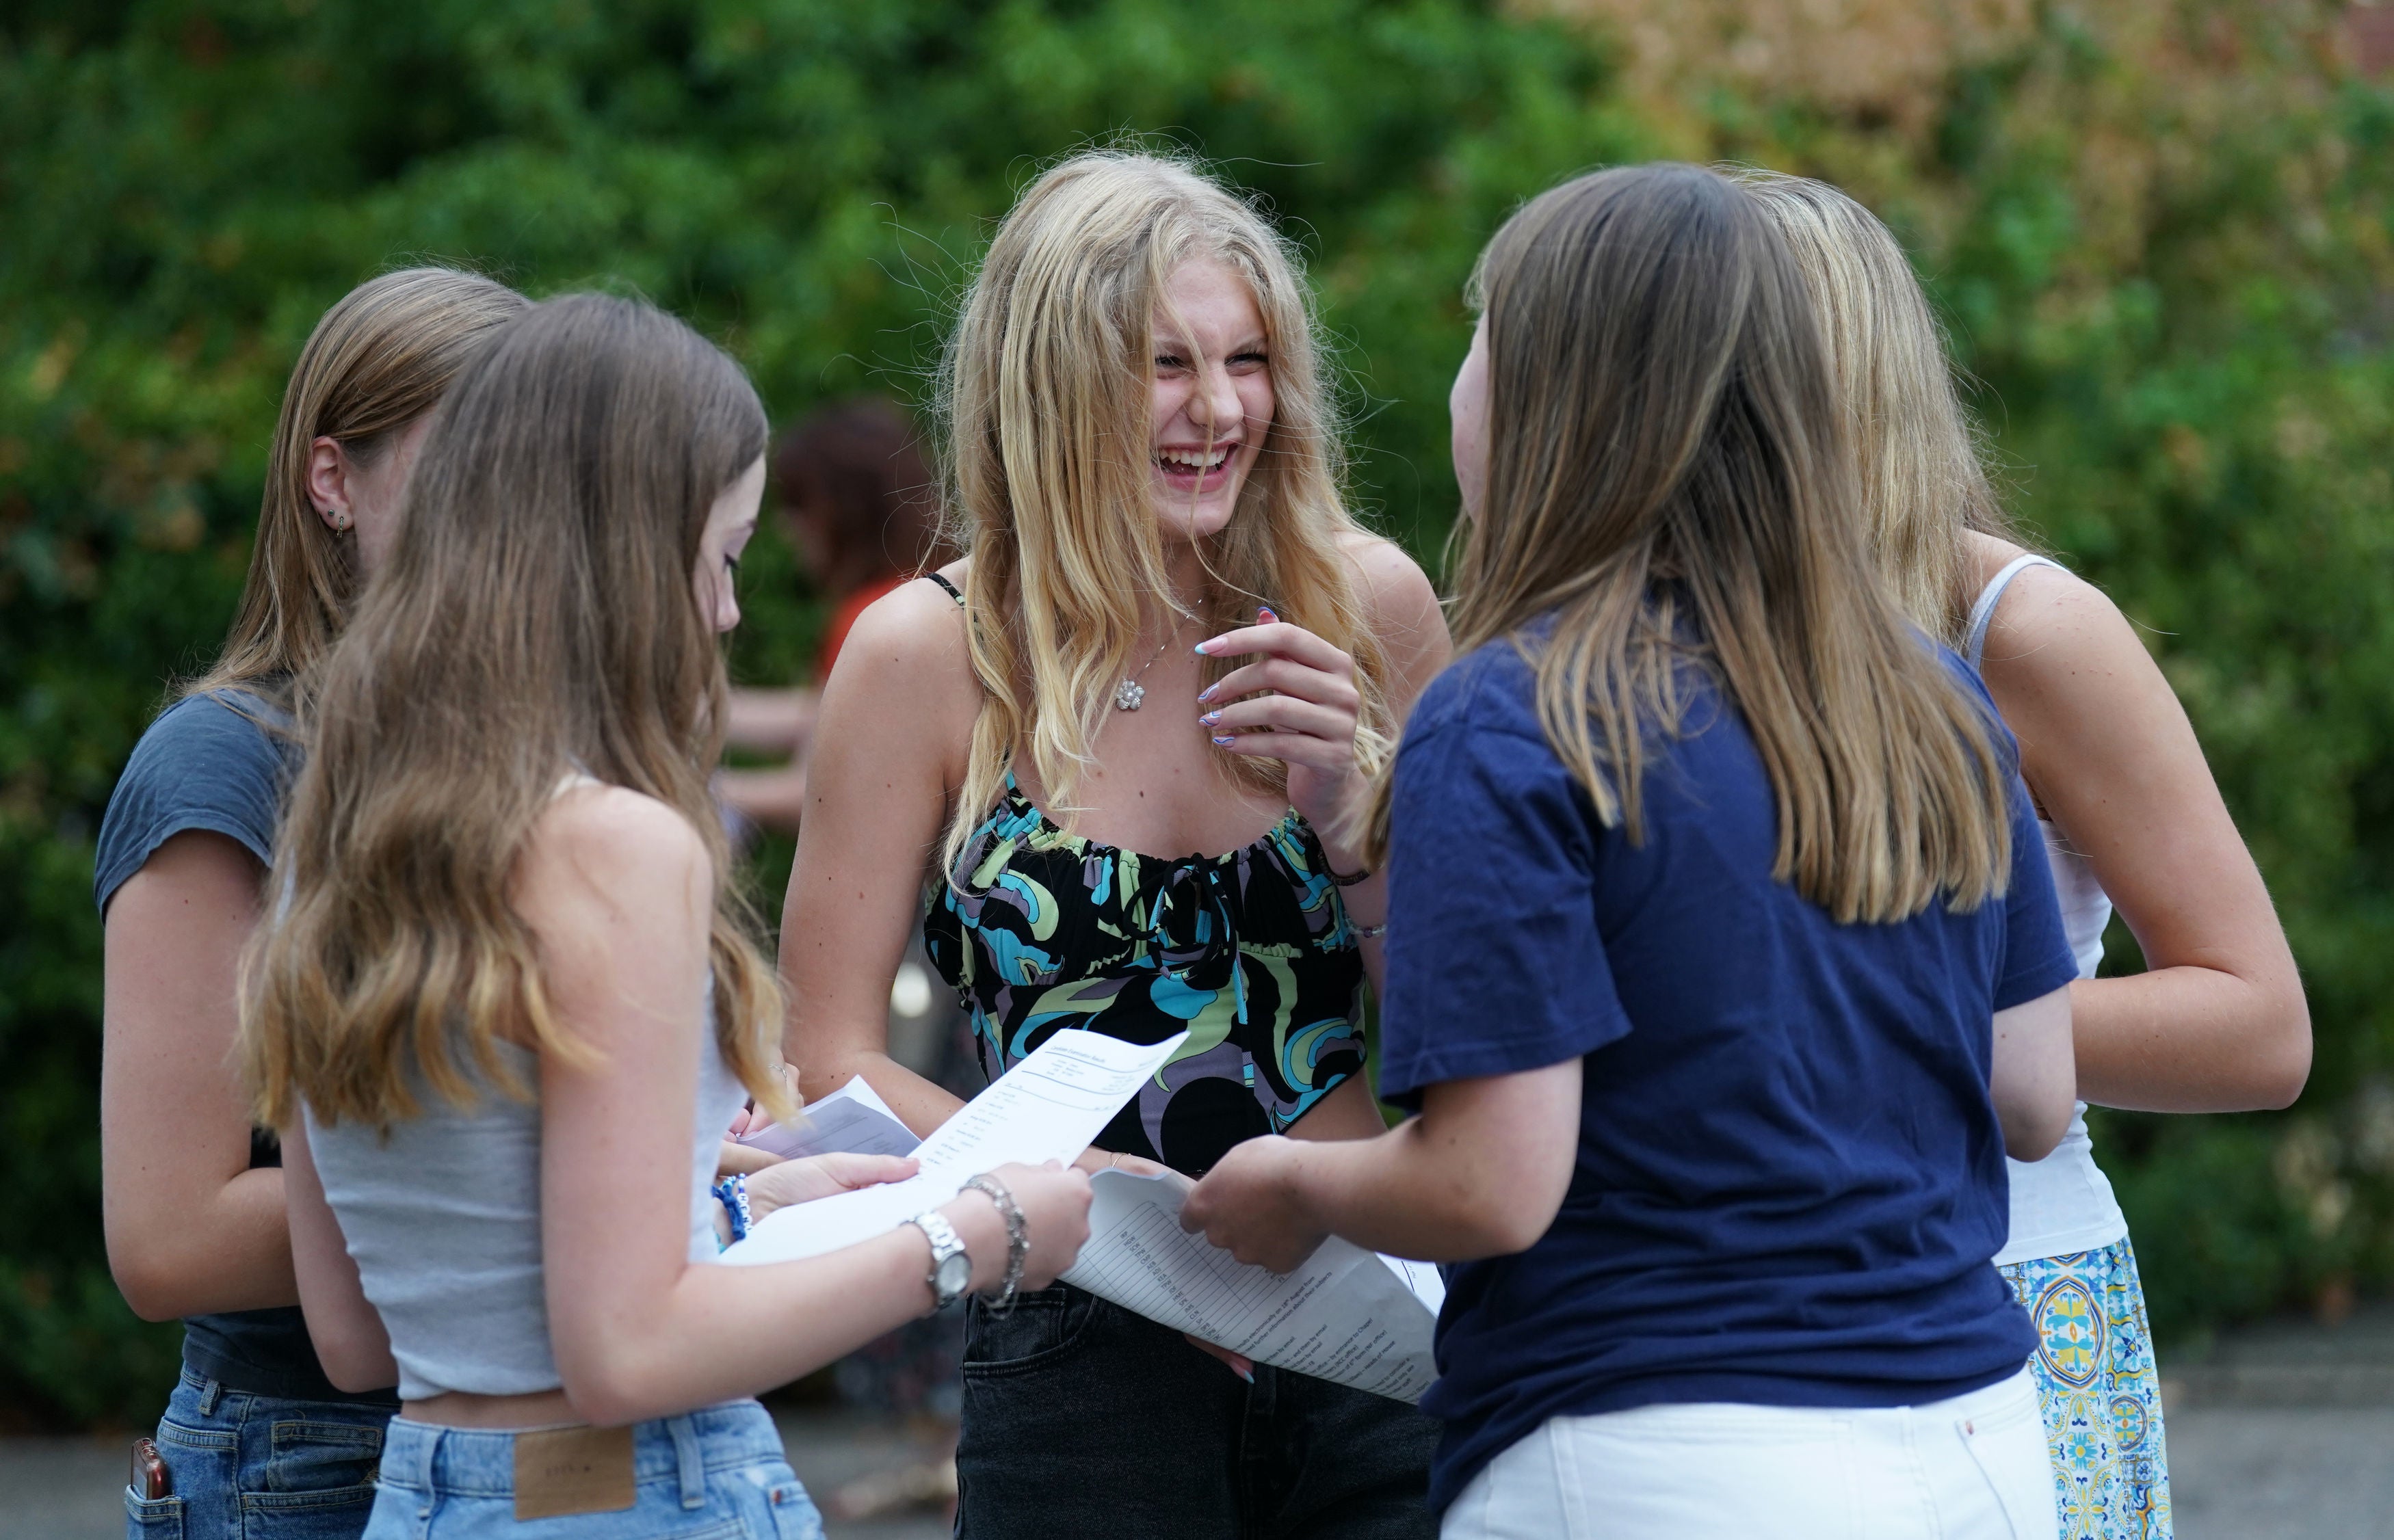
[[1041, 931]]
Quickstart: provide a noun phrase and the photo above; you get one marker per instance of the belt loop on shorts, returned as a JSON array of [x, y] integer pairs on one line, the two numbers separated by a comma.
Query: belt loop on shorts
[[209, 1390], [428, 1442], [693, 1468]]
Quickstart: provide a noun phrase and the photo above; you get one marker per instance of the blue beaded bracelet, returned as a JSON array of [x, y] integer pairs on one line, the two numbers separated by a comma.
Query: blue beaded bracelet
[[732, 1193]]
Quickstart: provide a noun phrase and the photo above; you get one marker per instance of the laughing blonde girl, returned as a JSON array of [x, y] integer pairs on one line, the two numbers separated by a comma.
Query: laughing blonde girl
[[1120, 746]]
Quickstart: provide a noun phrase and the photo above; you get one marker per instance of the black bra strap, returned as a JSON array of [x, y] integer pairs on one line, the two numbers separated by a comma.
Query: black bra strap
[[950, 588]]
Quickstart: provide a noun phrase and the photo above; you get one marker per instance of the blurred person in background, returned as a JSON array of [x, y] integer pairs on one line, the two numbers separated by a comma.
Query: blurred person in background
[[509, 999], [192, 1194], [1723, 963], [860, 502], [2127, 814], [1169, 635]]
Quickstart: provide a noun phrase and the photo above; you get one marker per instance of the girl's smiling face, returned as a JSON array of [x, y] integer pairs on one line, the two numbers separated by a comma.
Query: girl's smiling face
[[1213, 397]]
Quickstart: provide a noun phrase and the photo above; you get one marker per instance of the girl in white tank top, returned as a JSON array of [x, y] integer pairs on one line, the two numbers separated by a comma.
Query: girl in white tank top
[[2063, 1203], [2216, 1022]]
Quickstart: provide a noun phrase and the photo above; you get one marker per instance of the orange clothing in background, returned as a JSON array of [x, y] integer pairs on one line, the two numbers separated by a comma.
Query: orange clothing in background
[[844, 617]]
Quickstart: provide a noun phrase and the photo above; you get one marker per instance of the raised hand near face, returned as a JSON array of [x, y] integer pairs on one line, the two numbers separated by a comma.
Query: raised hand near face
[[1306, 707]]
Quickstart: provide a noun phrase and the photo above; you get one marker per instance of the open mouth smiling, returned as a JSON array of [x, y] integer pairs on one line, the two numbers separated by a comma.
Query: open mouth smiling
[[1195, 460]]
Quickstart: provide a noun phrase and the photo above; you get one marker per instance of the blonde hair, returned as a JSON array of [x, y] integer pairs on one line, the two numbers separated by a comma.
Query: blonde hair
[[1667, 488], [1923, 482], [1045, 397], [537, 618], [378, 361]]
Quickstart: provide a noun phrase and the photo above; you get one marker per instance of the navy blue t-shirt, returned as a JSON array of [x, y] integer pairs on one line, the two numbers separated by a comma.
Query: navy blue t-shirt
[[1790, 1178], [207, 764]]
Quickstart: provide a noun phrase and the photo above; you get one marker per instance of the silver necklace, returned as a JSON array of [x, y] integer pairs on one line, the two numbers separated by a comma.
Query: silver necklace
[[1130, 694]]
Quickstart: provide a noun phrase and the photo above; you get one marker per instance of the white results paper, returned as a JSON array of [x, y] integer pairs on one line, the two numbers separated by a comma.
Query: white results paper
[[1347, 1314], [1047, 1107], [851, 1119]]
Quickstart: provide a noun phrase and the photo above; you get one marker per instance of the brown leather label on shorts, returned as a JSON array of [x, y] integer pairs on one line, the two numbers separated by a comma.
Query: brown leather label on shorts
[[567, 1470]]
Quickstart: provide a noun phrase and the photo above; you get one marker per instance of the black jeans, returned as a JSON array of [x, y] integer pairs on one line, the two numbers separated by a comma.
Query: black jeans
[[1082, 1421]]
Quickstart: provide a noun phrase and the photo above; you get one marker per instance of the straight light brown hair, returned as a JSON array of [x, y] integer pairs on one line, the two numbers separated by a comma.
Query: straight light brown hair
[[377, 361], [1923, 482], [535, 618], [1045, 395], [1669, 484]]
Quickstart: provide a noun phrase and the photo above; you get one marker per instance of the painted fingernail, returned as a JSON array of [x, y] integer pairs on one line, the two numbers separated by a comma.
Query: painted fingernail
[[1265, 617], [1248, 1375], [1204, 645], [1206, 693], [1227, 742], [1211, 717]]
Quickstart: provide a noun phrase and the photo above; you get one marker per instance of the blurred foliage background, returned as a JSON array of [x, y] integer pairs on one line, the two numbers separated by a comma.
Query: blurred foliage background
[[2159, 229]]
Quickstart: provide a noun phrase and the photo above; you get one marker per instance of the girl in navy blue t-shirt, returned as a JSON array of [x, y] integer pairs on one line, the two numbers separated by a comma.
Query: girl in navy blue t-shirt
[[1724, 968]]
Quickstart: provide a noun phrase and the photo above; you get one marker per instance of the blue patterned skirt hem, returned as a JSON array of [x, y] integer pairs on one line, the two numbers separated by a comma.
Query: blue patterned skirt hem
[[2100, 1390]]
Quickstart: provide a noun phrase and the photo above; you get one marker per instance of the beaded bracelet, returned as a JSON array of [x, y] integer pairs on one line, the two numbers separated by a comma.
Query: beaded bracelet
[[732, 1193], [1017, 1237]]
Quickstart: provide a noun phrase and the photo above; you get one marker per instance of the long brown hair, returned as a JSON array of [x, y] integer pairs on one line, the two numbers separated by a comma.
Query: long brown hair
[[536, 617], [1923, 480], [1668, 482], [1045, 392], [379, 359]]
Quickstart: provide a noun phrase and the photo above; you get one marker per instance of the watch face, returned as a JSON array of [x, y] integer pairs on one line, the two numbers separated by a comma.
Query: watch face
[[956, 1273]]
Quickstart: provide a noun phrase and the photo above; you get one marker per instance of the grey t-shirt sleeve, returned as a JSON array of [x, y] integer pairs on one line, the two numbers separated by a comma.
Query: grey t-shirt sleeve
[[207, 762]]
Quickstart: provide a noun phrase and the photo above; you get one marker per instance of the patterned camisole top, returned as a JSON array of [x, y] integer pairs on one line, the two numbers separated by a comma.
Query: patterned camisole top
[[1041, 931]]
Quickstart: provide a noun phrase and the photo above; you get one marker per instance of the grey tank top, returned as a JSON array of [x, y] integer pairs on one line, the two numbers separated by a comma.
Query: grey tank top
[[441, 1215]]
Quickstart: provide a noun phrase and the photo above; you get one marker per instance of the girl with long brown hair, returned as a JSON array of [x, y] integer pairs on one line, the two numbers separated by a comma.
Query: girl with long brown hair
[[2127, 813], [1168, 635], [193, 1196], [509, 1001], [1707, 877]]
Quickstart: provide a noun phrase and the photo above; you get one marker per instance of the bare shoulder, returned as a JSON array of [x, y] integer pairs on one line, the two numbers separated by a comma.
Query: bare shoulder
[[1393, 584], [613, 848], [1401, 605], [912, 638], [1402, 611], [2049, 617]]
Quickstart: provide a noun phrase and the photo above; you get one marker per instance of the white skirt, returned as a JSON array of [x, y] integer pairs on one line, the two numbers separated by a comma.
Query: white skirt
[[1971, 1468]]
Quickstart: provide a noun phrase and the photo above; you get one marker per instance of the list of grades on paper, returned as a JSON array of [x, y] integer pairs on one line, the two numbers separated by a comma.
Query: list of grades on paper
[[1047, 1107], [1346, 1314]]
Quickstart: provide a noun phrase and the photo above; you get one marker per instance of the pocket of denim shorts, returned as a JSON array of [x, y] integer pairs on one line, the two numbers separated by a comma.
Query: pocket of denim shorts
[[324, 1458], [1041, 1328], [795, 1516], [152, 1518]]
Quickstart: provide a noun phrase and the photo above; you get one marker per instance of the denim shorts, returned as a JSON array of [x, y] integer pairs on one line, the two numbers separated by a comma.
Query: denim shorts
[[246, 1466], [713, 1474]]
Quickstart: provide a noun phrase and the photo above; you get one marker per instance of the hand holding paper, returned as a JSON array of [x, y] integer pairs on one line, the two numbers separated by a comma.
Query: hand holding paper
[[1249, 1206], [1345, 1314], [1047, 1107]]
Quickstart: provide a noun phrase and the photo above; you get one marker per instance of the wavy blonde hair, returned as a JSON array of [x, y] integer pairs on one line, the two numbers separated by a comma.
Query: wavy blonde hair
[[1669, 486], [1923, 481], [379, 359], [1044, 397], [536, 617]]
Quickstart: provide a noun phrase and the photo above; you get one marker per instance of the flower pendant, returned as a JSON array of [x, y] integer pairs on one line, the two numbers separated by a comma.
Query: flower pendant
[[1128, 695]]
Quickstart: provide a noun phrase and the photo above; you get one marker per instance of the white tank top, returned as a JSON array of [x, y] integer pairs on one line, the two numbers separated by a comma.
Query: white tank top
[[442, 1214], [2063, 1203]]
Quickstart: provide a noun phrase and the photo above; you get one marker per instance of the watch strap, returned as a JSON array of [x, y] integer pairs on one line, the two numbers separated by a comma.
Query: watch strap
[[945, 1243]]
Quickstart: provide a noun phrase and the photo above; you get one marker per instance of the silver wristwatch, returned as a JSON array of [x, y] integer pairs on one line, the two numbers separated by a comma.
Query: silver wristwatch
[[950, 1271]]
